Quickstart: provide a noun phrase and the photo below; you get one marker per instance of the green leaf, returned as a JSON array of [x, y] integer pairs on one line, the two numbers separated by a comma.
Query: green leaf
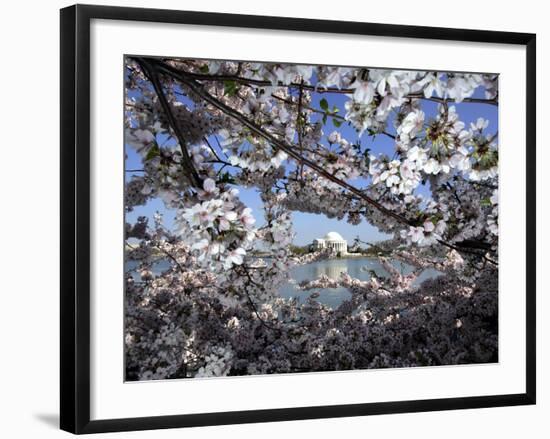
[[230, 88], [324, 119], [366, 155], [337, 123], [204, 69], [152, 153], [335, 109], [226, 178], [324, 104]]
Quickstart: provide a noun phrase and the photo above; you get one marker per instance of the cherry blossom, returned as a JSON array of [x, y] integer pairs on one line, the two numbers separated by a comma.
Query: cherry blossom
[[202, 129]]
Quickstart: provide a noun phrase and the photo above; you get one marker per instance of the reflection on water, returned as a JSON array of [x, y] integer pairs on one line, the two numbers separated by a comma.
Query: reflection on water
[[332, 270], [359, 268]]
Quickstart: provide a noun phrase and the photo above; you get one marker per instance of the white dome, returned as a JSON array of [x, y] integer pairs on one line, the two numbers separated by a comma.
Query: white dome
[[333, 236]]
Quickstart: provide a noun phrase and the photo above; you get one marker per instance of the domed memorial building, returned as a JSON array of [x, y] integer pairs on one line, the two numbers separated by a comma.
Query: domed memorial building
[[332, 240]]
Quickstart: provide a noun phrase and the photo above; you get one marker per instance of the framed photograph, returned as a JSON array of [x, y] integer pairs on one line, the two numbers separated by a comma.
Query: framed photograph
[[273, 218]]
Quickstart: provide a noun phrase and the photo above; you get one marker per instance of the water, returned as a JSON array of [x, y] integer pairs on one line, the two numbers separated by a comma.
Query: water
[[358, 268]]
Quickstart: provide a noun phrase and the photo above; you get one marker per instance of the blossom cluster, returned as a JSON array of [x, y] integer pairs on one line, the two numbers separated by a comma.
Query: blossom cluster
[[219, 229], [214, 309]]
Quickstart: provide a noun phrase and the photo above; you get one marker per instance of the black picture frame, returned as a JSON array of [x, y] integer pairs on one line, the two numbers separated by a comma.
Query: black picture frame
[[75, 217]]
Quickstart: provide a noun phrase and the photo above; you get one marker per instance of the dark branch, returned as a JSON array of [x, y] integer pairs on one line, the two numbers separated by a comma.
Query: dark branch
[[187, 162], [296, 85], [197, 89], [289, 149]]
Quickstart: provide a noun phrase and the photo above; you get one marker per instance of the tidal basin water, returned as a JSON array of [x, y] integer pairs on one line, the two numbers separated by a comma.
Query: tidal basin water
[[359, 268]]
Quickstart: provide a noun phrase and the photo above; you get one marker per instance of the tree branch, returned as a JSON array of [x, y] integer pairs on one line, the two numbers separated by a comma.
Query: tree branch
[[187, 162], [287, 148], [264, 83], [198, 90]]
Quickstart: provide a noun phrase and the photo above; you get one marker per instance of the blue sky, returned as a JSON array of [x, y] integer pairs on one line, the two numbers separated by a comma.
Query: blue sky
[[310, 226]]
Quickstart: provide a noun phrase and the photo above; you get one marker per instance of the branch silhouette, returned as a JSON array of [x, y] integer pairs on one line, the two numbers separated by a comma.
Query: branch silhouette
[[189, 80]]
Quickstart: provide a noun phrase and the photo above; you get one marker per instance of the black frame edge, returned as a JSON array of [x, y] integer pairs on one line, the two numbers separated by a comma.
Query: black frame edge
[[303, 413], [68, 388], [75, 218], [303, 24], [531, 221]]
